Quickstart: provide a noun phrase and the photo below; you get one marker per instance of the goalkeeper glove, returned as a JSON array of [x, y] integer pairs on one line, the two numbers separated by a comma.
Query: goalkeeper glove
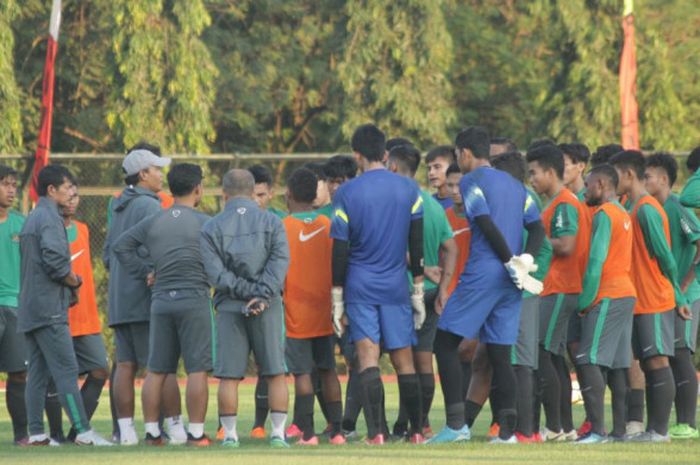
[[338, 310], [418, 304]]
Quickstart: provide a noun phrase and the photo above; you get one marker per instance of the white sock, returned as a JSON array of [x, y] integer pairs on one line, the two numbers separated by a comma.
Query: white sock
[[278, 420], [196, 430], [38, 437], [229, 424], [126, 427], [152, 428], [176, 429]]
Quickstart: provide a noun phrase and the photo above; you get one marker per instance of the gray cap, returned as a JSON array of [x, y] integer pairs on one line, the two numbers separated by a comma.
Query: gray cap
[[141, 159]]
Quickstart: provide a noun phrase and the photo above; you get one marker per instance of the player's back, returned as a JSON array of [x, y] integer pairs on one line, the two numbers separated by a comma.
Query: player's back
[[373, 213], [83, 317], [488, 191], [615, 278]]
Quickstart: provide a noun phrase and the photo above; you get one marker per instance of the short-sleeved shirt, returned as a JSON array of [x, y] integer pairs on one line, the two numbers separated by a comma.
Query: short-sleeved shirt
[[326, 210], [684, 227], [373, 212], [462, 235], [10, 262], [307, 287], [445, 202], [83, 318], [495, 193], [563, 217], [436, 230]]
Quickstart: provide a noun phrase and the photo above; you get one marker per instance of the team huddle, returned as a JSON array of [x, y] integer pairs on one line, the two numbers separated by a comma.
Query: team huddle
[[497, 282]]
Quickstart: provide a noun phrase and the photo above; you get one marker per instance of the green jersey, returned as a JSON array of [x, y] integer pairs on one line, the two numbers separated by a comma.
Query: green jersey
[[544, 256], [326, 210], [685, 230], [581, 195], [10, 263], [436, 230], [281, 214], [690, 196]]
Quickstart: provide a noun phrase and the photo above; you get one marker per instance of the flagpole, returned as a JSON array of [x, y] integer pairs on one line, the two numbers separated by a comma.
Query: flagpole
[[41, 156]]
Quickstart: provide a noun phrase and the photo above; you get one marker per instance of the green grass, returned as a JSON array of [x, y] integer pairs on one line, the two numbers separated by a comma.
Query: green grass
[[256, 452]]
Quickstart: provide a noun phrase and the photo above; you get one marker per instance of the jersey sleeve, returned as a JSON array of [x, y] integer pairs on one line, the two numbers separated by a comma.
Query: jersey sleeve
[[652, 226], [417, 206], [474, 200], [564, 220], [601, 234], [689, 224], [531, 210], [340, 222], [690, 196]]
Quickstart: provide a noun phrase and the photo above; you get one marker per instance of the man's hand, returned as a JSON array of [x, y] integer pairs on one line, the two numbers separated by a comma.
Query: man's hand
[[256, 306], [684, 312], [433, 273], [338, 311], [73, 300], [418, 304], [150, 279], [73, 281]]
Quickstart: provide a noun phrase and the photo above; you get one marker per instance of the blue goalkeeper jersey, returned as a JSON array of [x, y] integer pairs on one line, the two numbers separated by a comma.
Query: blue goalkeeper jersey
[[373, 212]]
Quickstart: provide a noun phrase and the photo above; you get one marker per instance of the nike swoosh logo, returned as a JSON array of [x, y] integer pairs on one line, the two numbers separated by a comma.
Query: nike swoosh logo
[[627, 225], [305, 237], [460, 231], [73, 257]]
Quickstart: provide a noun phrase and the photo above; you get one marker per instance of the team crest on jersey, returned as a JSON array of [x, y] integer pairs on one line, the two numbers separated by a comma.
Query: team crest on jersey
[[307, 220], [242, 210], [172, 294], [176, 213]]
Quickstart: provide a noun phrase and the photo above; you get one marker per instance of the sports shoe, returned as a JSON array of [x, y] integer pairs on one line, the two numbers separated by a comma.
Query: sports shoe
[[220, 433], [497, 440], [203, 441], [91, 438], [571, 435], [350, 435], [592, 438], [378, 440], [278, 443], [337, 440], [258, 433], [683, 431], [230, 443], [548, 435], [154, 440], [427, 432], [648, 436], [584, 429], [448, 434], [537, 437], [312, 441], [633, 428], [293, 431], [417, 438], [493, 430], [522, 439], [41, 441]]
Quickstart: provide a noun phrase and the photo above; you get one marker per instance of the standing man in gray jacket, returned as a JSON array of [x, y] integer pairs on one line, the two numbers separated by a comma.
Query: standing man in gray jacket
[[130, 295], [47, 287], [246, 256]]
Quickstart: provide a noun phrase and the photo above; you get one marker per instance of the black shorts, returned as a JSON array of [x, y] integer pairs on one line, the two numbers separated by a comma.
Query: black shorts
[[303, 355]]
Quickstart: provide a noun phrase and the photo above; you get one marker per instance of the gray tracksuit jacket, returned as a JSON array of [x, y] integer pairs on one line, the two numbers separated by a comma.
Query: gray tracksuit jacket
[[245, 253], [43, 298], [129, 296]]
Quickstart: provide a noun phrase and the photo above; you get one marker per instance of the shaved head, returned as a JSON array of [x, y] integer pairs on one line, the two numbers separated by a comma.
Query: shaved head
[[238, 183]]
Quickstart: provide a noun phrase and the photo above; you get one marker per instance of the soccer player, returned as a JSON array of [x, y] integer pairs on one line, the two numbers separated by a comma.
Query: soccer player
[[659, 177], [501, 145], [338, 170], [606, 304], [83, 317], [246, 255], [322, 203], [48, 286], [655, 279], [458, 222], [130, 296], [307, 297], [576, 158], [264, 190], [487, 300], [437, 242], [690, 196], [438, 160], [603, 154], [13, 349], [564, 221], [180, 308], [369, 276]]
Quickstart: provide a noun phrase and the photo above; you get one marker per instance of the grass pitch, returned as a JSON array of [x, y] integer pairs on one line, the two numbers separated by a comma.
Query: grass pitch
[[253, 452]]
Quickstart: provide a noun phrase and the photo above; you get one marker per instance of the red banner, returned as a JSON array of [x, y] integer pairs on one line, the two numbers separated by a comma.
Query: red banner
[[628, 87]]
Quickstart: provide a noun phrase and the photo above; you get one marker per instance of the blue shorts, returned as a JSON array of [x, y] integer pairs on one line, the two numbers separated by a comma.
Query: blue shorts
[[390, 325], [492, 315]]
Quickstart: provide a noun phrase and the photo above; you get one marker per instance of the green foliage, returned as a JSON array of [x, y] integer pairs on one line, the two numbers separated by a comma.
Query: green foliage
[[11, 121]]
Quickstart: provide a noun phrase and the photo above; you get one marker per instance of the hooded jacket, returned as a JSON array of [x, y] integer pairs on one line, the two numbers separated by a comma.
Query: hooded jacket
[[129, 296]]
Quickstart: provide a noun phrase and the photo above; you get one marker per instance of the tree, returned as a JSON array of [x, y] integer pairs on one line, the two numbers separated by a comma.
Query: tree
[[11, 121]]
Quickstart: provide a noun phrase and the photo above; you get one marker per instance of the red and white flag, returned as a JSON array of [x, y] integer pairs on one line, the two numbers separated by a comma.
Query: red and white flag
[[41, 156], [628, 82]]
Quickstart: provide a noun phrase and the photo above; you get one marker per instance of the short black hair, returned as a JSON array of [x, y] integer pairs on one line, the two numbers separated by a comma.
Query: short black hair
[[302, 185], [261, 174], [476, 139], [183, 178], [52, 175], [629, 159], [6, 172], [510, 145], [540, 143], [407, 156], [317, 168], [693, 161], [444, 151], [395, 142], [340, 166], [603, 153], [512, 163], [369, 141], [143, 145], [667, 162], [453, 168], [607, 171], [548, 156], [578, 153]]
